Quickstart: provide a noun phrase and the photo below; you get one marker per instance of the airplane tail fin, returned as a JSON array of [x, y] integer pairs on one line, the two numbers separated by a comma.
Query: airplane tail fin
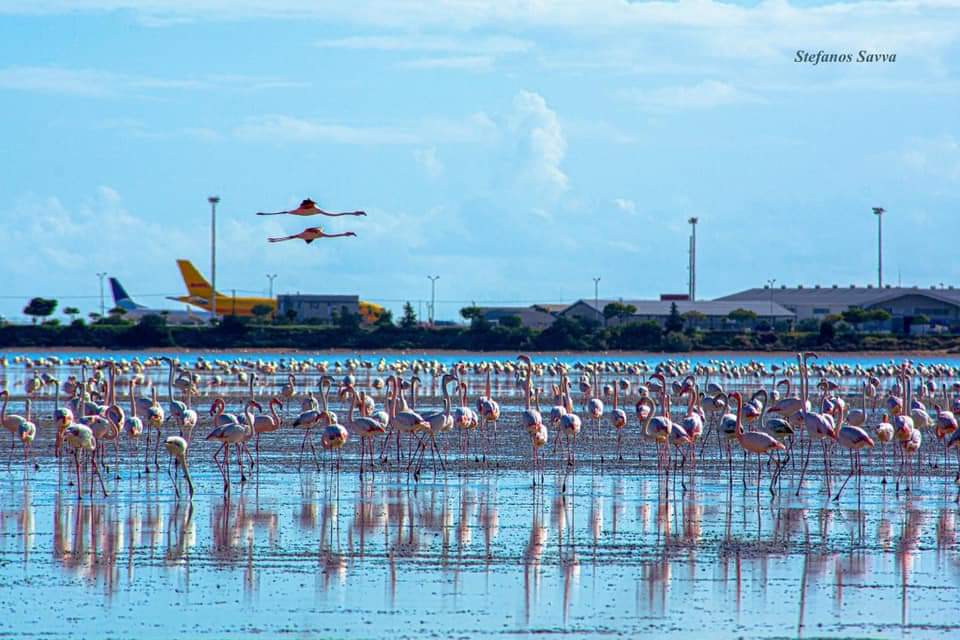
[[196, 284], [120, 296]]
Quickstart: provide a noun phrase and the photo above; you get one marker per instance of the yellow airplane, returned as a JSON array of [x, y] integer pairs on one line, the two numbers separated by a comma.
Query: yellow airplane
[[199, 295]]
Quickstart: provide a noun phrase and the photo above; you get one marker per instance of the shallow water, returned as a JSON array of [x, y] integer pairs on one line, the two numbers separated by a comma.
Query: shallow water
[[472, 553]]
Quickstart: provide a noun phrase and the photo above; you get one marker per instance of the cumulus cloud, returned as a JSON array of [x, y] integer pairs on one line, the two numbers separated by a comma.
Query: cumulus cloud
[[543, 144]]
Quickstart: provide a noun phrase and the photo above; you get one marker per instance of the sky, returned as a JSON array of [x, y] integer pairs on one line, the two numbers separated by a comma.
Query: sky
[[515, 148]]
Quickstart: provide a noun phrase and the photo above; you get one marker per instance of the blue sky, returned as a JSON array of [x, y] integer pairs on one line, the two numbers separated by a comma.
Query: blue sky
[[517, 149]]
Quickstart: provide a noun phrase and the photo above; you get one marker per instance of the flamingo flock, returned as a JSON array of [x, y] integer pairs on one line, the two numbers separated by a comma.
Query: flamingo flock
[[779, 418]]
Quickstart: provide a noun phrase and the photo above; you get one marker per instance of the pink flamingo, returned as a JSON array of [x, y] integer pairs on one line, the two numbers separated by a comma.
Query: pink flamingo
[[756, 442]]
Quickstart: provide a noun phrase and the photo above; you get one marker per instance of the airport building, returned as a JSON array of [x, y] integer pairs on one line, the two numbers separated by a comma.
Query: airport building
[[317, 307], [534, 317], [711, 315], [941, 305]]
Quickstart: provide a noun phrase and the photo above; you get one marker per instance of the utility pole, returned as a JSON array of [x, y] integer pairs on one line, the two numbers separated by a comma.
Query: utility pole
[[770, 284], [270, 277], [692, 284], [879, 211], [213, 200], [102, 308], [596, 294], [433, 295]]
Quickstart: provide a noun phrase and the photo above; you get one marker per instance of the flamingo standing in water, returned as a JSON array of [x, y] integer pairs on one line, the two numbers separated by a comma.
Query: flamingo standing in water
[[266, 423], [62, 417], [366, 428], [618, 418], [12, 422], [853, 439], [80, 437], [885, 433], [756, 442], [176, 446], [489, 409]]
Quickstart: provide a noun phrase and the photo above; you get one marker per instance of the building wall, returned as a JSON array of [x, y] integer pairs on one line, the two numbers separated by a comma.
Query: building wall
[[914, 305], [316, 307]]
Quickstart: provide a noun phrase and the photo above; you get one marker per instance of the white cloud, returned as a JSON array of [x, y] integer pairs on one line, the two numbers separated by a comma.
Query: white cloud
[[543, 144], [703, 95], [101, 83], [626, 205], [428, 160], [462, 63], [286, 129], [436, 43], [938, 157]]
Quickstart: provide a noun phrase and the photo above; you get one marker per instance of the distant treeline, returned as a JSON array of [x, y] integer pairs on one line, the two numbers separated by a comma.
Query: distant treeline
[[564, 334]]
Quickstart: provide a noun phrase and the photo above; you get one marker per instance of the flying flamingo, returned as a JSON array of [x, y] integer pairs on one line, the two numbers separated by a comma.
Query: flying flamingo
[[310, 234], [309, 208]]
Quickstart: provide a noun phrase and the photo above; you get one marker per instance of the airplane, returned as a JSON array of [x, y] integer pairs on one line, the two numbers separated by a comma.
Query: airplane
[[136, 311], [199, 295]]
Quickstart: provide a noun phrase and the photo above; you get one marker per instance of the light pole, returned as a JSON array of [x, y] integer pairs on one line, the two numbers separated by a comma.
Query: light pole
[[596, 294], [270, 277], [433, 295], [878, 211], [213, 200], [692, 285], [101, 276], [770, 284]]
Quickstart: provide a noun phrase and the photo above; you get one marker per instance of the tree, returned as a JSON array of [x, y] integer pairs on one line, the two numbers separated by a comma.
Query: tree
[[291, 315], [742, 316], [618, 310], [510, 322], [261, 311], [855, 316], [409, 319], [878, 315], [471, 313], [348, 321], [674, 321], [385, 319], [117, 312], [40, 308], [827, 332], [73, 312]]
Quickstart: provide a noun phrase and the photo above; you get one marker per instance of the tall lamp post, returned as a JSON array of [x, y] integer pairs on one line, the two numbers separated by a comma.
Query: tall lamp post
[[101, 276], [879, 211], [596, 294], [770, 284], [433, 295], [270, 277], [213, 200], [692, 283]]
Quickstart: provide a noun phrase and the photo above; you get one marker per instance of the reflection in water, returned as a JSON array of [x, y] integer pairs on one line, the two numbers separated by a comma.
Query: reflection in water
[[470, 543]]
